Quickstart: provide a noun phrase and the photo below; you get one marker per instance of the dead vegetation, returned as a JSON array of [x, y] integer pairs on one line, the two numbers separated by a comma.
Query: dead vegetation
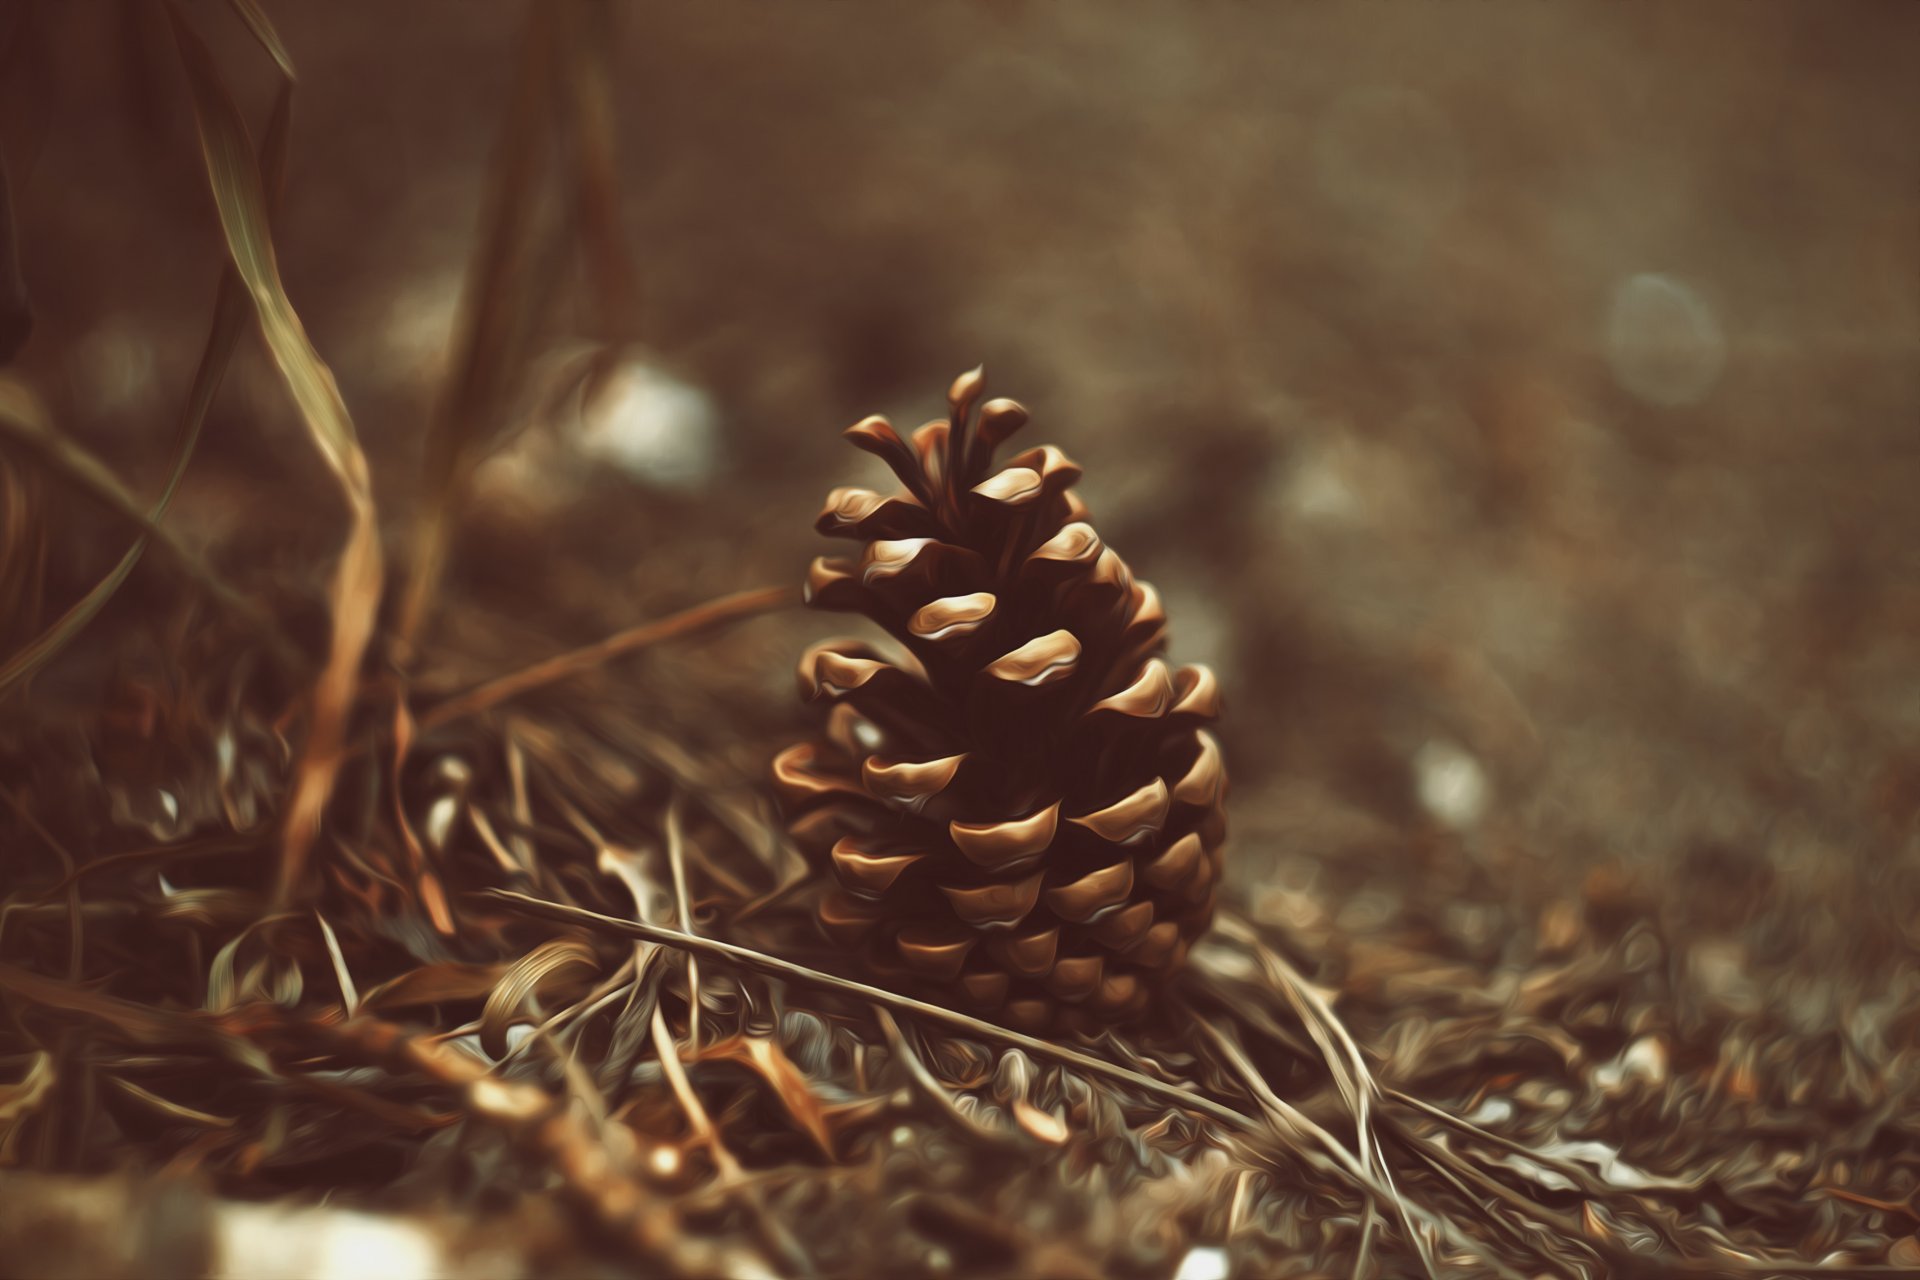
[[339, 884]]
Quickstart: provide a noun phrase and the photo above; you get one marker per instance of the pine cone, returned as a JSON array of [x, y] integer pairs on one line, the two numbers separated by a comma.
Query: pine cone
[[1024, 816]]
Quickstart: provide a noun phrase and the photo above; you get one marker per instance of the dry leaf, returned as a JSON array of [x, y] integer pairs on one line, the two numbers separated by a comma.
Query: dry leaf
[[788, 1084]]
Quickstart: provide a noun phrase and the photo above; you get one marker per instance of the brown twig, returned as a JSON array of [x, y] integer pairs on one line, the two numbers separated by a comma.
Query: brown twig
[[714, 613], [1270, 1134], [791, 972], [938, 1092]]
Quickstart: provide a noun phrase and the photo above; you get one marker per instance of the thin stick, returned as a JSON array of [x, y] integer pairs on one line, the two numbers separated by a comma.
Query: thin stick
[[934, 1089], [743, 604], [677, 857], [1381, 1189], [1585, 1181], [698, 1120], [791, 972], [1500, 1224], [1355, 1082], [503, 290], [157, 853], [1269, 1129], [22, 419], [76, 944]]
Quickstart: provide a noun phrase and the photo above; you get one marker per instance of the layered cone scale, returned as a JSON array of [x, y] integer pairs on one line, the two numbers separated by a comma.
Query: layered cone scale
[[1023, 813]]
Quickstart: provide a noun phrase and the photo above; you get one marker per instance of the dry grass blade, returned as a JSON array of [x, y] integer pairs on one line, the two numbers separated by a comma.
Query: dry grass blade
[[504, 292], [1323, 1144], [142, 1024], [1344, 1061], [697, 1118], [590, 45], [434, 984], [349, 994], [257, 22], [564, 91], [240, 196], [23, 549], [24, 419], [677, 860], [22, 1098], [728, 805], [937, 1092], [239, 193], [1576, 1174], [229, 314], [169, 1108], [21, 415], [744, 604], [526, 978]]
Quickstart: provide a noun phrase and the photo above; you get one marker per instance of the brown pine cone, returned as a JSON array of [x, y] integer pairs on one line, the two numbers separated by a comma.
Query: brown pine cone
[[1024, 815]]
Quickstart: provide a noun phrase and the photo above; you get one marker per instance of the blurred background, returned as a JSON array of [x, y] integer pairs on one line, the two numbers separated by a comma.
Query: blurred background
[[1517, 402]]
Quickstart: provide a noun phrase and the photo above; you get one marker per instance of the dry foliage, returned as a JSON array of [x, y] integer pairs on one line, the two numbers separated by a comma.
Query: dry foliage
[[290, 915]]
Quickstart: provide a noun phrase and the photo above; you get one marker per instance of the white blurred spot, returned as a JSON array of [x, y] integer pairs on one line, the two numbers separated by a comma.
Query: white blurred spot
[[654, 427], [418, 330], [1450, 783], [1228, 962], [867, 734], [1601, 1158], [530, 472], [1664, 343], [1365, 911], [1290, 908], [440, 816], [664, 1160], [1643, 1060], [1491, 1111], [1724, 974], [1318, 490], [261, 1243], [1203, 1262]]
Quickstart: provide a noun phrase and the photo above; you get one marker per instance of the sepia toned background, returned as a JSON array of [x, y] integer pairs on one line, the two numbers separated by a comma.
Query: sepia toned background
[[1517, 403]]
